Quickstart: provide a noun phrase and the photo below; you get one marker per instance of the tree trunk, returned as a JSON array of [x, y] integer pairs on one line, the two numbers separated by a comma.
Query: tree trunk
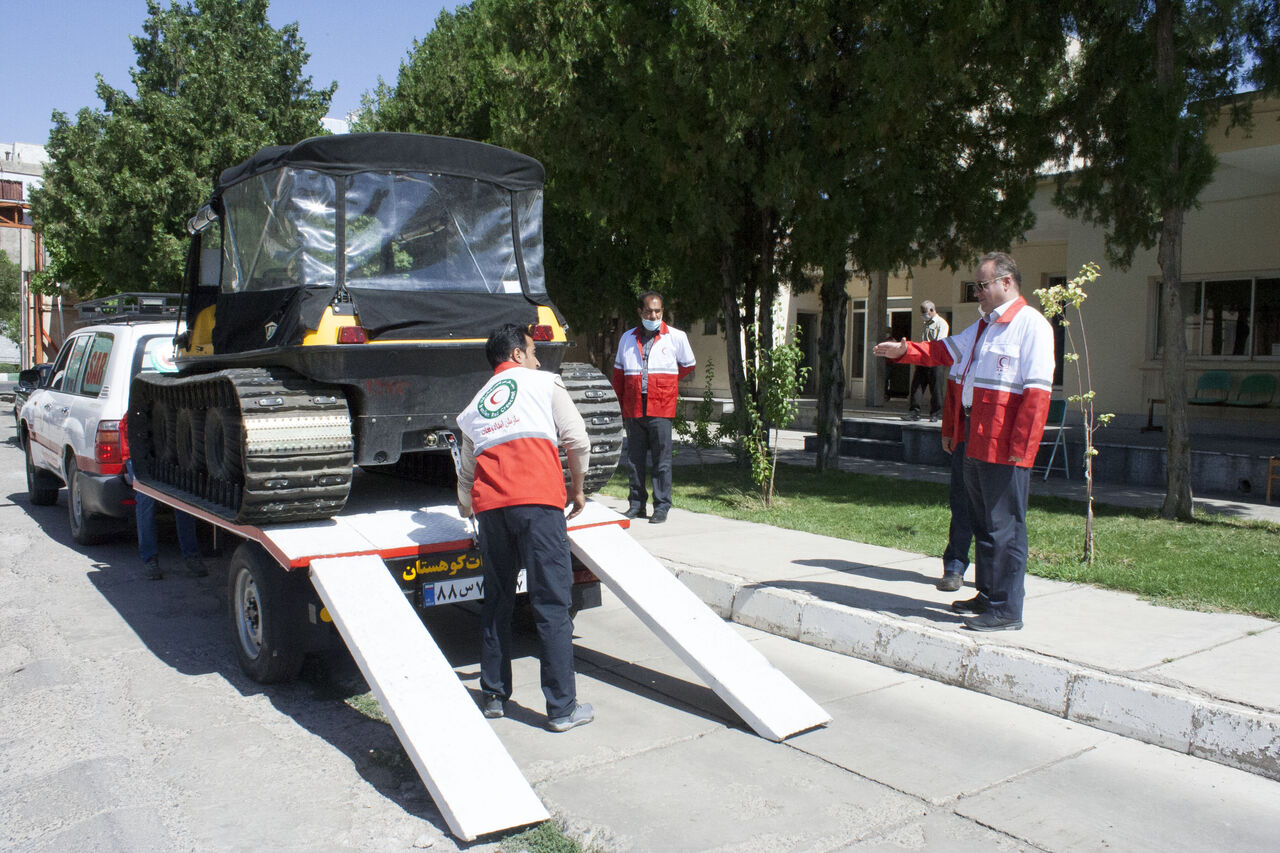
[[1177, 497], [831, 380], [877, 331], [729, 280]]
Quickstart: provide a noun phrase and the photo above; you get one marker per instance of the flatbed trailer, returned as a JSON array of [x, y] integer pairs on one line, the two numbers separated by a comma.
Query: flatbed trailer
[[398, 547]]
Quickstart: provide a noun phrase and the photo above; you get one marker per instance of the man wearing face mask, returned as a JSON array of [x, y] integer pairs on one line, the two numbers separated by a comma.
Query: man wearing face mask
[[652, 358]]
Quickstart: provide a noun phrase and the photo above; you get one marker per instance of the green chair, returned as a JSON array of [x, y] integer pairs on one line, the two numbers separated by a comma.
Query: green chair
[[1212, 389], [1056, 424], [1256, 390]]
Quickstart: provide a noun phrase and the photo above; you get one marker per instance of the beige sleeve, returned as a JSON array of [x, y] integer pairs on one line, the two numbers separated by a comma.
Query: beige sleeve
[[571, 429], [466, 474]]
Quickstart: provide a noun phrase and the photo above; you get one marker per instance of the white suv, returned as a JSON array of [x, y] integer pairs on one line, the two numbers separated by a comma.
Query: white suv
[[71, 426]]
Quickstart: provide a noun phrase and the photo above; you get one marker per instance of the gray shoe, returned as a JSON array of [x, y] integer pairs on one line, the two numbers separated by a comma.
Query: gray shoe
[[582, 714], [151, 570], [950, 582], [195, 567]]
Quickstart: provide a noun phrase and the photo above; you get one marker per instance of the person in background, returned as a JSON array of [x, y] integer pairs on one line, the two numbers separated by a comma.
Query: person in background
[[509, 477], [651, 360], [145, 521], [1005, 364], [928, 378]]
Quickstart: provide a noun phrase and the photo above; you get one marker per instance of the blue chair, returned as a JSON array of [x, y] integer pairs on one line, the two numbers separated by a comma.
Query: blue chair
[[1212, 389], [1256, 390], [1057, 424]]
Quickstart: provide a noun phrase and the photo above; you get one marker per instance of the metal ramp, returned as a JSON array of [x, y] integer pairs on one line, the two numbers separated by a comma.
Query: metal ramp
[[473, 780], [765, 698]]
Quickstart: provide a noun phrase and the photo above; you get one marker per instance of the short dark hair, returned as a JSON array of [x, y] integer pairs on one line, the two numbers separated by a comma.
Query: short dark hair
[[1003, 265], [502, 341], [647, 295]]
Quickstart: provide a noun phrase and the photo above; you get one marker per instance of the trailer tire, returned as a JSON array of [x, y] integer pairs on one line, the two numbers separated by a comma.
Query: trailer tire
[[264, 606]]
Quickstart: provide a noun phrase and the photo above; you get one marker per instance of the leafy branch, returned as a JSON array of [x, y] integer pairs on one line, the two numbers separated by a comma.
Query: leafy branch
[[1054, 301]]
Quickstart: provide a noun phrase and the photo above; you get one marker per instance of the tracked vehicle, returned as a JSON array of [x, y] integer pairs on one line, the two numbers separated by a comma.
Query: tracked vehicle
[[338, 297]]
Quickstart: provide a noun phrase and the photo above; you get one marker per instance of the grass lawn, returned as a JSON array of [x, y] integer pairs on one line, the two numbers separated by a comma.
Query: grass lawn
[[1212, 563]]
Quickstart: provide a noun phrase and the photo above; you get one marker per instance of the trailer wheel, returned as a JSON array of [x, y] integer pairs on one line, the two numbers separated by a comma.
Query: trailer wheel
[[264, 627]]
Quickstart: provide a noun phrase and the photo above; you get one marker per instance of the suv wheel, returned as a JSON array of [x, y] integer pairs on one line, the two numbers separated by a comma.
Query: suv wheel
[[42, 487], [86, 529]]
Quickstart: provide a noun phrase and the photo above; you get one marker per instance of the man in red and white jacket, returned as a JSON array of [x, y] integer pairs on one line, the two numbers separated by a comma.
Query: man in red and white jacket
[[509, 476], [652, 359], [997, 402]]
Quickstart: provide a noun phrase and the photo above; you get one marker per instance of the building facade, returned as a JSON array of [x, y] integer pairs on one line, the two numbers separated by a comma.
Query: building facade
[[1230, 294]]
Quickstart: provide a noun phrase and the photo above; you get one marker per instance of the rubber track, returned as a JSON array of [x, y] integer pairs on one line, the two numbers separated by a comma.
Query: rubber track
[[593, 394], [295, 444]]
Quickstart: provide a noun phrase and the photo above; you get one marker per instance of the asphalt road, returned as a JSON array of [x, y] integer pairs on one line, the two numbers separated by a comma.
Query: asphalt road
[[126, 725]]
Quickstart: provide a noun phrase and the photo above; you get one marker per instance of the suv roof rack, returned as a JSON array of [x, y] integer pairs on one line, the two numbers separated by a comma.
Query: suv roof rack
[[126, 307]]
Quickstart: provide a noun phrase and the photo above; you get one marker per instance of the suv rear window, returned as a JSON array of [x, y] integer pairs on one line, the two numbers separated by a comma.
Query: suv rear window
[[95, 370]]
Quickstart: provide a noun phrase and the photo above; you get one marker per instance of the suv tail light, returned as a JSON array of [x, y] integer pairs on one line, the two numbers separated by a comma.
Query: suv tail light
[[352, 335], [109, 447], [541, 333]]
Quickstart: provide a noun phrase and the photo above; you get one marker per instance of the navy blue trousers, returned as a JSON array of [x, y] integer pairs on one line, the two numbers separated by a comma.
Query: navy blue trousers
[[998, 500], [649, 447], [955, 559], [533, 538]]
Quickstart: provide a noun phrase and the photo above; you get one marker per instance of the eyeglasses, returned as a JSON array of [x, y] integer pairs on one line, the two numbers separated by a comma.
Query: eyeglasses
[[983, 285]]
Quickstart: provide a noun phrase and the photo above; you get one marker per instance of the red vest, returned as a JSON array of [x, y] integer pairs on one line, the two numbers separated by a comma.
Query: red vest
[[511, 424]]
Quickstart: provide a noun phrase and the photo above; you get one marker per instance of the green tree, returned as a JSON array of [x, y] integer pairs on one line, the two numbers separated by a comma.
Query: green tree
[[922, 127], [10, 290], [1152, 80], [214, 82]]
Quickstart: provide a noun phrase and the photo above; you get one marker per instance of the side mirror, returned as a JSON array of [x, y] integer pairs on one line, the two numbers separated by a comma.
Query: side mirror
[[29, 379]]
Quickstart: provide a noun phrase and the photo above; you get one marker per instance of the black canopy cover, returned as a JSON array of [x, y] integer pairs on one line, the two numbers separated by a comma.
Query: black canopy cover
[[255, 319]]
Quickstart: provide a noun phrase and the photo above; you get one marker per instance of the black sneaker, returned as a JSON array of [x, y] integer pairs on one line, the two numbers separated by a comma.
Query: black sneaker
[[977, 604], [151, 570], [992, 622], [658, 517], [491, 706], [582, 714], [195, 567], [634, 512]]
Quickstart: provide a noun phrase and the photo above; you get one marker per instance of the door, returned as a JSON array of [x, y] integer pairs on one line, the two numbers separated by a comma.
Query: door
[[898, 376]]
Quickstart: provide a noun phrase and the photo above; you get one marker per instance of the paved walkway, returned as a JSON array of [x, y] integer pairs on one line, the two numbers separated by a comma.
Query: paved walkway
[[1206, 684]]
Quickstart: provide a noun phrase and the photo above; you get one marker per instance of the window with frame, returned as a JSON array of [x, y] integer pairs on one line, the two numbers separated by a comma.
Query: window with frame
[[1237, 317], [66, 373], [95, 368], [858, 339]]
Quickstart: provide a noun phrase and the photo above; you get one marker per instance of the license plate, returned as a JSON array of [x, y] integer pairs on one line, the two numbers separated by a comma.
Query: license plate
[[461, 589]]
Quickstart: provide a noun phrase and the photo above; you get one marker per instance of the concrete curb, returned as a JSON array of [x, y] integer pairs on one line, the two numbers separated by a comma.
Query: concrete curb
[[1175, 718]]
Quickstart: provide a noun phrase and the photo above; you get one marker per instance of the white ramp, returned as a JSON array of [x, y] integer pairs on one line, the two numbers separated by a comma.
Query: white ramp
[[765, 698], [473, 780]]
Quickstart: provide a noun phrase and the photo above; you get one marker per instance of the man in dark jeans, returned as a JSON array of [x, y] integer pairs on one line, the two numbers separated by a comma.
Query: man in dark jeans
[[928, 378], [651, 360], [509, 477]]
